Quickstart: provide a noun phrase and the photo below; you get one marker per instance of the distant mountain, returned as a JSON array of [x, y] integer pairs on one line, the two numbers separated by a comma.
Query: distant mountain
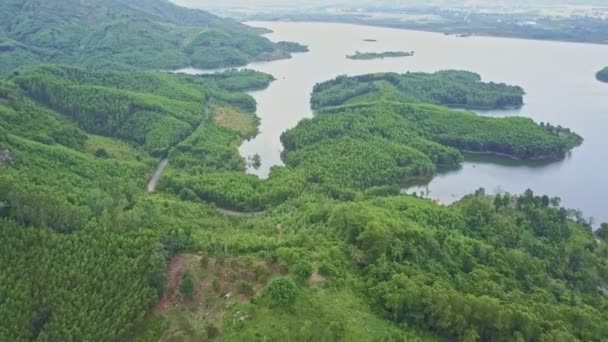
[[179, 15], [390, 3], [124, 34]]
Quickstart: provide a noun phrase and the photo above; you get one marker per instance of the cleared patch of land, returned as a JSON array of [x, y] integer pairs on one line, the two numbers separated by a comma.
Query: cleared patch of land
[[243, 123], [114, 148], [219, 285]]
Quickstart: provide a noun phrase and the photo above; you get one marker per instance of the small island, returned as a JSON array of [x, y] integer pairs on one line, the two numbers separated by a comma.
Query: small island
[[375, 55], [602, 75]]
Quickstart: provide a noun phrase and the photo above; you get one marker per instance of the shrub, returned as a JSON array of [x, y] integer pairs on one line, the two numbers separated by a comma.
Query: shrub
[[187, 194], [327, 269], [187, 287], [282, 291], [102, 153], [303, 270]]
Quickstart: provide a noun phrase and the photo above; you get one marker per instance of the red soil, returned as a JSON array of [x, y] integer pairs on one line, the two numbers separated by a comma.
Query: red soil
[[174, 276]]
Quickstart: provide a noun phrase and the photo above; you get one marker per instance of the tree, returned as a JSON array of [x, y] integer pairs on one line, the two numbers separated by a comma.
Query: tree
[[282, 291]]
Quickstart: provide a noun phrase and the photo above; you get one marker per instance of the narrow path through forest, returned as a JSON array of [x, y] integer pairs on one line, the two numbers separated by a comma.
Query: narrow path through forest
[[159, 172], [239, 213]]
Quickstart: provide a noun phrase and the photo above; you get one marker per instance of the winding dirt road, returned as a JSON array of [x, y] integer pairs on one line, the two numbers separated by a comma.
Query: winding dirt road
[[159, 171]]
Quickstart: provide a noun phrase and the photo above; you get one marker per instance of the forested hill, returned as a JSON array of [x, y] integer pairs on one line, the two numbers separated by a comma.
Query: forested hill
[[168, 11], [121, 34], [452, 88], [602, 75], [88, 255]]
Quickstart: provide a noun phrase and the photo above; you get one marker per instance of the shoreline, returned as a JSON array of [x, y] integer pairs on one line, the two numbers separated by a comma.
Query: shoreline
[[505, 155], [443, 32]]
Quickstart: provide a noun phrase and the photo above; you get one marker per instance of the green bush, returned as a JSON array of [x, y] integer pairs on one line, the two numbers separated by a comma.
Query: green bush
[[327, 269], [282, 291], [102, 153], [303, 270], [186, 288]]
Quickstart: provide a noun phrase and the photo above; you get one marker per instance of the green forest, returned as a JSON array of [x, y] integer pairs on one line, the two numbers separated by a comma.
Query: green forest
[[398, 137], [602, 75], [327, 248], [126, 35], [452, 88]]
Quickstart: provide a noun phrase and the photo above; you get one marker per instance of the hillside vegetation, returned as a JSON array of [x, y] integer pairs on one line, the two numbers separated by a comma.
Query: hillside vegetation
[[125, 35], [452, 88], [370, 132], [338, 254]]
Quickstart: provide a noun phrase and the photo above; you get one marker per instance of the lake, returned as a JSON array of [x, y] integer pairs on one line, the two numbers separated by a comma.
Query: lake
[[559, 79]]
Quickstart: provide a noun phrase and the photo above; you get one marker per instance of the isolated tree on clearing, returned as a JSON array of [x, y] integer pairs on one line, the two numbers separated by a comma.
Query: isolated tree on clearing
[[187, 287]]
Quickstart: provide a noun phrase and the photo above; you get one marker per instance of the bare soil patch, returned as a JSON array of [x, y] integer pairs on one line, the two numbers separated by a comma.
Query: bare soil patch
[[175, 273]]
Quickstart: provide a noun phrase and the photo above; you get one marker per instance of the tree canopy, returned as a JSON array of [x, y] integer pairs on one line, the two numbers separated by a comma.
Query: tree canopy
[[452, 88]]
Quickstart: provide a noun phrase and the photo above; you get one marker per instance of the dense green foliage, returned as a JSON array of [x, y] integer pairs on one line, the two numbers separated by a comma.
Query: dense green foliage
[[449, 88], [86, 252], [360, 163], [379, 130], [494, 269], [368, 145], [90, 285], [154, 110], [244, 80], [235, 189], [283, 291], [86, 249], [381, 55], [602, 75], [515, 269], [122, 34]]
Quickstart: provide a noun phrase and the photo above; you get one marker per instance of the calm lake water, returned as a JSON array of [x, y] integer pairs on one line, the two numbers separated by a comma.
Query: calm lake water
[[559, 79]]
